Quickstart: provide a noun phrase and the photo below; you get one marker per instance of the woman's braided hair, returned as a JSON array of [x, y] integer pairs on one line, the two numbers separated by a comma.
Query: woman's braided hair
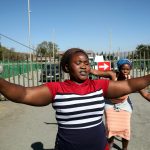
[[67, 56]]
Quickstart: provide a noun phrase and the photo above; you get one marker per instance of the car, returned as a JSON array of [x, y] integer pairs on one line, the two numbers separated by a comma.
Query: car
[[114, 65], [1, 68], [50, 72]]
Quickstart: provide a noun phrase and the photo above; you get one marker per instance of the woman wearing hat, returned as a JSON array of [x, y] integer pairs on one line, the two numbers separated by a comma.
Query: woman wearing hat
[[118, 111]]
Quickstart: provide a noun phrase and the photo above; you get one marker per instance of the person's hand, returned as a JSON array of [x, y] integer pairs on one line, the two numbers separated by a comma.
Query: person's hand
[[123, 76], [94, 72], [110, 74]]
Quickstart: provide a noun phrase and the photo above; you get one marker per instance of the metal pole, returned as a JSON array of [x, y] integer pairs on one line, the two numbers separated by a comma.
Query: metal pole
[[0, 41], [53, 45], [29, 40], [110, 41], [29, 34]]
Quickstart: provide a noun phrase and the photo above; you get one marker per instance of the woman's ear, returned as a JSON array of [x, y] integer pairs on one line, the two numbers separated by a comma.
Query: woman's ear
[[67, 68]]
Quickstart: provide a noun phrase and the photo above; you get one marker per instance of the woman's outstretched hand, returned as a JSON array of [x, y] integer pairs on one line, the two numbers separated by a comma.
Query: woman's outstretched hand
[[109, 74]]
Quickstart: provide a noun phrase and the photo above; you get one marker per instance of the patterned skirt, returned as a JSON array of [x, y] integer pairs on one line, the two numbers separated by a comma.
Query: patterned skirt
[[117, 123]]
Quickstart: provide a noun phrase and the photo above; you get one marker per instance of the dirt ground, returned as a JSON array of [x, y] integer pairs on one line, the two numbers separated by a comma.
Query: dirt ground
[[25, 127]]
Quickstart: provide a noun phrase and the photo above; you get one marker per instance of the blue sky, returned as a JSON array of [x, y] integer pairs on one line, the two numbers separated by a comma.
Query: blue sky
[[98, 25]]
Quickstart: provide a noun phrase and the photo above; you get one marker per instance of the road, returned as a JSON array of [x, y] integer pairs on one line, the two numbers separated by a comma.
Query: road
[[25, 127]]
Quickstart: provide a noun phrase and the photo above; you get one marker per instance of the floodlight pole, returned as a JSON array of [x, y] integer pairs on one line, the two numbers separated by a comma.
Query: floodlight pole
[[110, 41], [53, 44], [29, 33], [29, 40], [0, 41]]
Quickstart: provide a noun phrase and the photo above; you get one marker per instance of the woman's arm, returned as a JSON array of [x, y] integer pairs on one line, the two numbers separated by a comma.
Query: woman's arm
[[120, 88], [107, 74], [35, 96]]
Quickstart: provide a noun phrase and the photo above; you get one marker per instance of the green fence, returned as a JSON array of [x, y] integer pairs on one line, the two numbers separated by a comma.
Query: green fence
[[14, 69], [28, 73]]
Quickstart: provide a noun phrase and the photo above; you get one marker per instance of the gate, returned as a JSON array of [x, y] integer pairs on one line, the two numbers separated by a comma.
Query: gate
[[39, 70]]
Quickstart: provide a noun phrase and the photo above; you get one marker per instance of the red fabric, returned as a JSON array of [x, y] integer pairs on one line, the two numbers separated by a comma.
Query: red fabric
[[107, 147], [71, 87]]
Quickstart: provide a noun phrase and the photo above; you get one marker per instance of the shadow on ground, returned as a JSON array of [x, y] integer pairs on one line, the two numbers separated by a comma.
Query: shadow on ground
[[115, 146], [49, 123], [39, 146]]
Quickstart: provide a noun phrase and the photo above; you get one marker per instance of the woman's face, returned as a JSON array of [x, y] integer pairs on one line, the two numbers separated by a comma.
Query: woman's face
[[79, 67], [125, 70]]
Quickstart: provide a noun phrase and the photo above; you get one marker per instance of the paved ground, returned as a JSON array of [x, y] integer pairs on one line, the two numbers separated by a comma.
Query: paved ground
[[34, 128]]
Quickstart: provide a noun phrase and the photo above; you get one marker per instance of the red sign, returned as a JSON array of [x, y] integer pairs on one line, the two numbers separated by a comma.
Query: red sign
[[106, 65]]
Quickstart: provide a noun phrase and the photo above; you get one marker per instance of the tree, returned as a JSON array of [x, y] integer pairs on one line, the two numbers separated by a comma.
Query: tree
[[10, 54], [3, 53], [47, 48], [142, 51]]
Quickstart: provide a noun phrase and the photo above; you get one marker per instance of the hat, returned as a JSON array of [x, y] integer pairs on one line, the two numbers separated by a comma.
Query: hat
[[124, 61]]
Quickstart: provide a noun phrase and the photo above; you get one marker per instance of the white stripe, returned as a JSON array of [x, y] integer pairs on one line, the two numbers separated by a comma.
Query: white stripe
[[66, 110], [77, 101], [77, 95], [82, 127], [79, 115], [80, 121]]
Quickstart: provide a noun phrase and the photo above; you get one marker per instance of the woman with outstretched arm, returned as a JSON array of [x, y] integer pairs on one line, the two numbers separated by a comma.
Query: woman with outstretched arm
[[78, 102]]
